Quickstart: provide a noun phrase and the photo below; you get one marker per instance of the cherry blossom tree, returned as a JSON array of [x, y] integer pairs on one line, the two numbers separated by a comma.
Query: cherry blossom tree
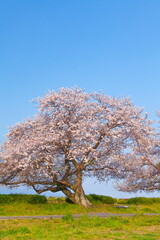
[[76, 135], [146, 174]]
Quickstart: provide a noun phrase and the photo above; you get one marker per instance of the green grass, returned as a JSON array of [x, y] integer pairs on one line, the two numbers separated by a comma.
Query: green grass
[[113, 228], [139, 227], [21, 209]]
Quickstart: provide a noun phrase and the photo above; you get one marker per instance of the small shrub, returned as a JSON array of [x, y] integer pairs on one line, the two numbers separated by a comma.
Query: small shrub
[[90, 198], [156, 200], [37, 199], [101, 199], [69, 201], [68, 218], [141, 200], [27, 198], [5, 199]]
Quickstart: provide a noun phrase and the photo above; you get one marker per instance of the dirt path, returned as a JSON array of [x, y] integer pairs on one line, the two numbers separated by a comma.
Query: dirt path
[[104, 215]]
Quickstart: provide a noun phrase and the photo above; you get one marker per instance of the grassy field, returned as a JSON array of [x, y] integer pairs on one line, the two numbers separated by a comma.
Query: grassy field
[[139, 227], [113, 228], [26, 209]]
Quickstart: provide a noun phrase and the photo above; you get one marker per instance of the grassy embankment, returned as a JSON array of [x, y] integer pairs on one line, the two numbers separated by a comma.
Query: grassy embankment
[[139, 227], [27, 205], [26, 209]]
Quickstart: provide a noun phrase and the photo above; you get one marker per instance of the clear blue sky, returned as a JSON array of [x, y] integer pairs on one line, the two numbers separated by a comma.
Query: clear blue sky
[[113, 45]]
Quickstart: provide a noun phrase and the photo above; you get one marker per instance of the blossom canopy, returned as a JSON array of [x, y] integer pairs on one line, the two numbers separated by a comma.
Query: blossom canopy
[[75, 135]]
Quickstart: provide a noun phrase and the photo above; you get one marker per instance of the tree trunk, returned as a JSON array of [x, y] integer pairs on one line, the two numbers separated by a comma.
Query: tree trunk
[[80, 198], [78, 195]]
